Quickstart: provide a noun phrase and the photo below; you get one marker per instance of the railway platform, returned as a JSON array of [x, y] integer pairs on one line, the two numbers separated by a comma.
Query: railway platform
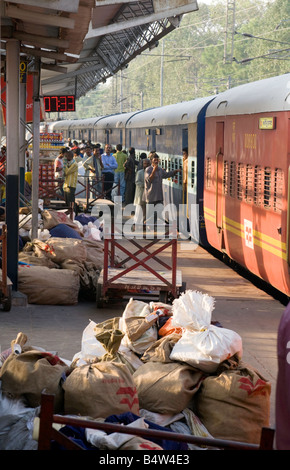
[[239, 306]]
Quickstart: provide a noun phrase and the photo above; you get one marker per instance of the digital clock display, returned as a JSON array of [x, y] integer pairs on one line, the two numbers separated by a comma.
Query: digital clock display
[[55, 104]]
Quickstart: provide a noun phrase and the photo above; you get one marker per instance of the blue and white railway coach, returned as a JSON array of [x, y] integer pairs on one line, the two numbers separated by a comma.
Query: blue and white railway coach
[[168, 130]]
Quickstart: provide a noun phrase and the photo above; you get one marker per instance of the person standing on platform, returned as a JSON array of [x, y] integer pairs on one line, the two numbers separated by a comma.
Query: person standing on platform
[[109, 164], [93, 166], [121, 158], [154, 175], [140, 163], [58, 171], [283, 383], [184, 173], [70, 179], [3, 174], [139, 200], [130, 165]]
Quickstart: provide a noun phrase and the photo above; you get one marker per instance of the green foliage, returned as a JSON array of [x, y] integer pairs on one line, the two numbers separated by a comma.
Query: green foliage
[[191, 58]]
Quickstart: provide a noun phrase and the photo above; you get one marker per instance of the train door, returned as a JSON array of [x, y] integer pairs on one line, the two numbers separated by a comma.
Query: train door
[[153, 139], [184, 144], [219, 179]]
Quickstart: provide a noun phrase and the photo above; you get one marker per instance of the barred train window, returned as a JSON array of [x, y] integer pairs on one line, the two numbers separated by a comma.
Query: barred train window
[[240, 181], [180, 175], [192, 182], [257, 185], [249, 184], [208, 173], [278, 190], [267, 187], [233, 179], [226, 178]]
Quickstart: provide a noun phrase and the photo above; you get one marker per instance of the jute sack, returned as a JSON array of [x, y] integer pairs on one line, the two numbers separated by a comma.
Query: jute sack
[[28, 374], [60, 249], [31, 258], [161, 349], [46, 286], [166, 387], [51, 218], [110, 336], [235, 405], [99, 390], [95, 252]]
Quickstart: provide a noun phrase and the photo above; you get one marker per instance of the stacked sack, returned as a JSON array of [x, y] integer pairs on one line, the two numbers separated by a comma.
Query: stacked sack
[[233, 400], [62, 263], [169, 364]]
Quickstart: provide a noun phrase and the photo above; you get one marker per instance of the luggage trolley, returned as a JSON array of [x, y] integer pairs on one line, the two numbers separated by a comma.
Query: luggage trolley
[[139, 276]]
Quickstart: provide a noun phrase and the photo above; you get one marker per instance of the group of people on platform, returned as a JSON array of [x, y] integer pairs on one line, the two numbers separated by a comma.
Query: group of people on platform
[[138, 182]]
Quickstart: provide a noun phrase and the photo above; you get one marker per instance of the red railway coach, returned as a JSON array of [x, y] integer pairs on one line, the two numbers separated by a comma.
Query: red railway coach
[[246, 183]]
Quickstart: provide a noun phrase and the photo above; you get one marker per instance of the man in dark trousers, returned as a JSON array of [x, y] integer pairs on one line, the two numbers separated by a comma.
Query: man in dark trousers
[[109, 165]]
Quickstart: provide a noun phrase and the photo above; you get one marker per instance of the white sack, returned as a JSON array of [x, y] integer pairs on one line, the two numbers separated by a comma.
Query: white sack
[[91, 347], [115, 440], [202, 345], [138, 309]]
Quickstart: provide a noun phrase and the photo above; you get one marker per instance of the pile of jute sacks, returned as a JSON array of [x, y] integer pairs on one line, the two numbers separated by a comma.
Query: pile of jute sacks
[[63, 262], [164, 366]]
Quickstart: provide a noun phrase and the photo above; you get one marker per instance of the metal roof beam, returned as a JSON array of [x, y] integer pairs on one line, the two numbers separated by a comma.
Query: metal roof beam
[[30, 51], [40, 41], [103, 3], [71, 6], [39, 18], [65, 76], [121, 25], [54, 68]]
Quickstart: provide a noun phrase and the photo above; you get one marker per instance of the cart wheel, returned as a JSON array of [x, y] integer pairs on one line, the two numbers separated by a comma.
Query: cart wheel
[[99, 299], [163, 296], [7, 302], [182, 289]]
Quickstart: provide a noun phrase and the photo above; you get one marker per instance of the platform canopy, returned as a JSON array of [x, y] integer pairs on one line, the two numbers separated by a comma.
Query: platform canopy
[[81, 43]]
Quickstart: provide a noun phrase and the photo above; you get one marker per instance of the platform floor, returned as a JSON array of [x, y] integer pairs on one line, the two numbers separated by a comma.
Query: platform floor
[[239, 306]]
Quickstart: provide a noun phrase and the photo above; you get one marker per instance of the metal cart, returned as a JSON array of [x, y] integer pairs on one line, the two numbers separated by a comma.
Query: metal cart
[[139, 277]]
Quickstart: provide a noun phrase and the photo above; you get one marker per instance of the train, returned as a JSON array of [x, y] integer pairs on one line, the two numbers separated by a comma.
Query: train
[[238, 167]]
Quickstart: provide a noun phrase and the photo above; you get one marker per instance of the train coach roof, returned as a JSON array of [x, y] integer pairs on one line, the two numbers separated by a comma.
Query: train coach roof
[[60, 126], [271, 94], [172, 114], [117, 120], [87, 123]]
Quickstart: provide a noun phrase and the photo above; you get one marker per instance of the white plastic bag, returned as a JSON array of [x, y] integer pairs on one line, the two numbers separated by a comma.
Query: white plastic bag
[[91, 232], [91, 347], [114, 440], [202, 345], [137, 309]]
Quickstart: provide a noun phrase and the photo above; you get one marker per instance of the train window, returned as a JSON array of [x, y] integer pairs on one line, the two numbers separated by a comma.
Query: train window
[[278, 190], [180, 177], [267, 187], [257, 185], [240, 181], [226, 178], [249, 184], [176, 167], [208, 173], [233, 179], [192, 181]]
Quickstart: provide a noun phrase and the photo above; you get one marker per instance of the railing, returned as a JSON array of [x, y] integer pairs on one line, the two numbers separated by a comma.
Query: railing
[[47, 433]]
